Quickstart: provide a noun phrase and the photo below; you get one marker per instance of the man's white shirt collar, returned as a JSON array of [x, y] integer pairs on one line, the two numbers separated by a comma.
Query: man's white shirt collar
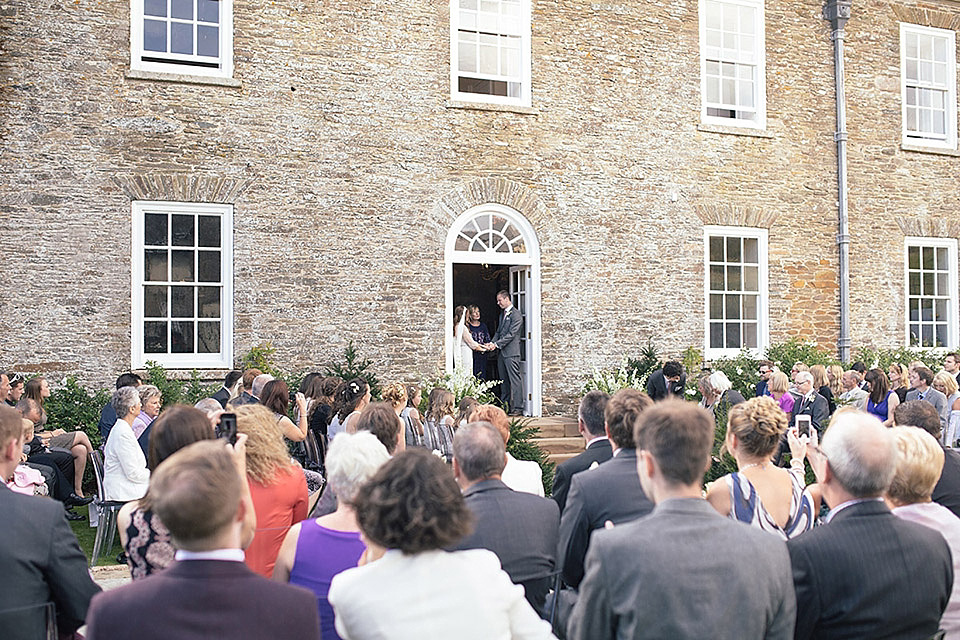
[[232, 555], [849, 503]]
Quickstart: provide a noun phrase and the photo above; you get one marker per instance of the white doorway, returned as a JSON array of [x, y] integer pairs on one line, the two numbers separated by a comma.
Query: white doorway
[[496, 235]]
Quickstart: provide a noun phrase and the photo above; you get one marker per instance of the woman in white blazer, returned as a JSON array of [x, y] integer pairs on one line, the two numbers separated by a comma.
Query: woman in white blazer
[[125, 473]]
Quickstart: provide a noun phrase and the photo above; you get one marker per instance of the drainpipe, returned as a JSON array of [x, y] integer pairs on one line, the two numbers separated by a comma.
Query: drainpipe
[[838, 12]]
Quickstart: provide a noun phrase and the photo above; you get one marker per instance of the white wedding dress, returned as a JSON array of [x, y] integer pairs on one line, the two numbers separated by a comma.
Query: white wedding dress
[[464, 343]]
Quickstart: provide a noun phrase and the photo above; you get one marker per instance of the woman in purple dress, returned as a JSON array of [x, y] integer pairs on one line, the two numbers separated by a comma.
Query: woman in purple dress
[[314, 551]]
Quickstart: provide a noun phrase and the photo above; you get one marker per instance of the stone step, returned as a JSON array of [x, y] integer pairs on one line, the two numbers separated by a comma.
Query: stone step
[[556, 446], [555, 427]]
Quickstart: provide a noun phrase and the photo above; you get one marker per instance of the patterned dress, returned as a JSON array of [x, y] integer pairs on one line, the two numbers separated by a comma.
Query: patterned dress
[[746, 507], [148, 547]]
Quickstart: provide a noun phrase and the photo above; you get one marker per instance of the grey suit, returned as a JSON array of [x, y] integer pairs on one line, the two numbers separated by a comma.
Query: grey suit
[[685, 571], [507, 339], [937, 399]]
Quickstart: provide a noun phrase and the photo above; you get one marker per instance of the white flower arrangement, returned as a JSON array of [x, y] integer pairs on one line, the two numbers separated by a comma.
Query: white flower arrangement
[[612, 380], [462, 384]]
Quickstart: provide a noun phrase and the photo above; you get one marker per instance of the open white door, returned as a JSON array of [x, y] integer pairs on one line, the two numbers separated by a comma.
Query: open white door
[[519, 295]]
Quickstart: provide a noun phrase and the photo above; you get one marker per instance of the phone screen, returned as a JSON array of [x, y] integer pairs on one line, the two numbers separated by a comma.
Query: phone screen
[[803, 425], [228, 427]]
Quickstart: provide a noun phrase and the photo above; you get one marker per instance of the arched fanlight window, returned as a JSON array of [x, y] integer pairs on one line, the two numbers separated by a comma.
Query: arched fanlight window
[[488, 232]]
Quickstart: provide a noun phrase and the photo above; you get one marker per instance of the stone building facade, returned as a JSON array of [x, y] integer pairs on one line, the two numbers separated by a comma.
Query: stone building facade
[[337, 155]]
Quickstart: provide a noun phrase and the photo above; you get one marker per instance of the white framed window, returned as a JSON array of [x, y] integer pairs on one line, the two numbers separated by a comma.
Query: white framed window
[[182, 267], [490, 51], [732, 77], [189, 37], [736, 290], [931, 292], [928, 80]]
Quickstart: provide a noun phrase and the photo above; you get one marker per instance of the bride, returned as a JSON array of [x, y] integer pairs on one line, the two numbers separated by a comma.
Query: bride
[[465, 344]]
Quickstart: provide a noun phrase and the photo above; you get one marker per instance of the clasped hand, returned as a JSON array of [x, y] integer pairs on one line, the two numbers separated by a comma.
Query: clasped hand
[[487, 346]]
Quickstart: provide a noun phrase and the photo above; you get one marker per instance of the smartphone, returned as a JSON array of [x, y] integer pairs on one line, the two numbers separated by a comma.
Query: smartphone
[[803, 423], [228, 427]]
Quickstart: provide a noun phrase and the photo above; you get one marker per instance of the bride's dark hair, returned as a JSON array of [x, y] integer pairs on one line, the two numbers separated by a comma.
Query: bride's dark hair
[[458, 312]]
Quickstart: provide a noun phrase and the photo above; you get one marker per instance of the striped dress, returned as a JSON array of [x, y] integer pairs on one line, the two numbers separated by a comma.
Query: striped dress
[[746, 507]]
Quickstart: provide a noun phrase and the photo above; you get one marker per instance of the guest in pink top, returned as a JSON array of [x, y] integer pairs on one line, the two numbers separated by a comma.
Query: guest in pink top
[[778, 386]]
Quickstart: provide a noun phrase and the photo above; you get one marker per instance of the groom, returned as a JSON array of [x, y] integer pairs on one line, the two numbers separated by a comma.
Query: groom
[[507, 339]]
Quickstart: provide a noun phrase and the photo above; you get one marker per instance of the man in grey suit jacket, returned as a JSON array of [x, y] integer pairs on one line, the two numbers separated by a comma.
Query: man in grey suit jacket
[[521, 528], [598, 450], [684, 571], [920, 380], [507, 340]]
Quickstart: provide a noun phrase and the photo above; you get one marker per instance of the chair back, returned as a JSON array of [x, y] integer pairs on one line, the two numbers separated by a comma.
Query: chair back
[[32, 622], [315, 453], [96, 461]]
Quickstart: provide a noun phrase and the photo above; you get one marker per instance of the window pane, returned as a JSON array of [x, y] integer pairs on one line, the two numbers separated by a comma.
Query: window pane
[[208, 337], [926, 335], [914, 311], [914, 283], [750, 307], [716, 307], [733, 278], [155, 302], [209, 231], [155, 8], [181, 337], [182, 9], [208, 11], [208, 302], [182, 231], [926, 310], [716, 278], [928, 284], [733, 307], [733, 335], [182, 270], [914, 335], [928, 257], [940, 310], [942, 261], [750, 335], [155, 337], [733, 249], [181, 38], [716, 335], [941, 335], [154, 35], [751, 250], [751, 281], [208, 41], [181, 305], [943, 278], [913, 257], [155, 229], [716, 249], [209, 266], [155, 265]]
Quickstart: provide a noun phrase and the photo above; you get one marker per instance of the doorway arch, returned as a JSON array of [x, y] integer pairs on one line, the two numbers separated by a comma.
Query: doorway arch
[[495, 234]]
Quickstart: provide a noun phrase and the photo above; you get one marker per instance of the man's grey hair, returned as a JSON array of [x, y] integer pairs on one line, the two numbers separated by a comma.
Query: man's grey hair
[[803, 376], [861, 453], [208, 406], [352, 460], [125, 399], [479, 451], [27, 406], [719, 382], [259, 383]]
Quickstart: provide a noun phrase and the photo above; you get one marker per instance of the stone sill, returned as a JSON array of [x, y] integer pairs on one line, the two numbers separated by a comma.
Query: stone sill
[[735, 131], [916, 148], [489, 106], [135, 74], [206, 375]]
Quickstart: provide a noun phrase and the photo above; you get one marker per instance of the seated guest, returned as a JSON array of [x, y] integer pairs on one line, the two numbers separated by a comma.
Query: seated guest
[[246, 394], [683, 572], [597, 445], [522, 529], [59, 461], [465, 408], [277, 485], [150, 402], [276, 397], [916, 413], [316, 550], [760, 493], [145, 539], [438, 424], [207, 592], [412, 424], [396, 394], [108, 417], [408, 586], [320, 405], [125, 473], [230, 389], [845, 584], [380, 419], [919, 461], [519, 475], [41, 559], [351, 399], [13, 395]]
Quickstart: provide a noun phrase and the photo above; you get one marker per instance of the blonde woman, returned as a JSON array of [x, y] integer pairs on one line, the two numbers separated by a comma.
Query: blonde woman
[[835, 380], [779, 387], [438, 423], [946, 384], [277, 486], [822, 384], [898, 376]]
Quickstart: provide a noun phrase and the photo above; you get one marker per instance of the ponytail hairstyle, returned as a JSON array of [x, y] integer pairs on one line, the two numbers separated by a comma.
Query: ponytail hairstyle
[[349, 396]]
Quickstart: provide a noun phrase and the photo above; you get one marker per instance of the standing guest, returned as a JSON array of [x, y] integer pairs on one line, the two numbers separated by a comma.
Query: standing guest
[[352, 398], [519, 475], [881, 402], [760, 493], [835, 380], [951, 364], [229, 389], [277, 485], [320, 407], [522, 529], [408, 586], [764, 370], [438, 423], [852, 394], [481, 335], [125, 472], [919, 462], [945, 383], [465, 408], [920, 414], [150, 402], [507, 340], [798, 367], [920, 380], [412, 424], [726, 396], [108, 416], [381, 420], [822, 384], [596, 445], [810, 403], [16, 389], [683, 572], [246, 394], [207, 592], [396, 394], [145, 539], [898, 375], [846, 584], [275, 396], [316, 550], [40, 557], [668, 381], [779, 387]]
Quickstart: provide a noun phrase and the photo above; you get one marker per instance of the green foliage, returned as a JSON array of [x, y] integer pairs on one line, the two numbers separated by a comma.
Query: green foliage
[[71, 407], [692, 360], [355, 366], [883, 358], [612, 380], [647, 363], [742, 371], [177, 391], [522, 447], [785, 354], [721, 463], [462, 384], [259, 357]]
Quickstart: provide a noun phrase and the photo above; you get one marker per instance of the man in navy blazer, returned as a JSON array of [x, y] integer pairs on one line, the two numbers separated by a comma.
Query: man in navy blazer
[[611, 492], [521, 528], [507, 340], [866, 573], [208, 592], [598, 450]]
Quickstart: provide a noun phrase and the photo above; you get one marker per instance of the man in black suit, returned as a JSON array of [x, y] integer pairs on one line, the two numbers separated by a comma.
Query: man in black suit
[[507, 340], [590, 426], [247, 396], [519, 527], [611, 492], [108, 417], [224, 393], [666, 382], [866, 573], [810, 403], [40, 559], [208, 592], [917, 413]]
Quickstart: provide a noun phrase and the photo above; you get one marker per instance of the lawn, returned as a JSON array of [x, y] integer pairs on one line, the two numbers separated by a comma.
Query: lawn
[[85, 536]]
